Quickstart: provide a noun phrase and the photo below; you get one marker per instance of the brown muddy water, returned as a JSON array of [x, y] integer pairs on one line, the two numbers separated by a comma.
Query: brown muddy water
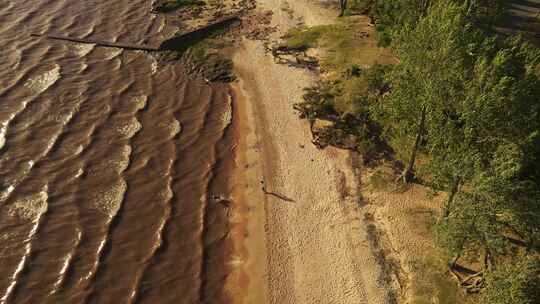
[[110, 163]]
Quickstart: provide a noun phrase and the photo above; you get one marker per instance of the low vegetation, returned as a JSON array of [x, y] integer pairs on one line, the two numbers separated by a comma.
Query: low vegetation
[[202, 53], [463, 101], [207, 62]]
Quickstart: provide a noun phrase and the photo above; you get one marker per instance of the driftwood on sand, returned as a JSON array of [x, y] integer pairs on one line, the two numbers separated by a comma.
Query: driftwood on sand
[[280, 196]]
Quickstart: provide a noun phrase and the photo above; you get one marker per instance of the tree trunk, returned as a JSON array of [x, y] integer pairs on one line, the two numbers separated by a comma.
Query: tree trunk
[[342, 7], [407, 174], [425, 6], [452, 194]]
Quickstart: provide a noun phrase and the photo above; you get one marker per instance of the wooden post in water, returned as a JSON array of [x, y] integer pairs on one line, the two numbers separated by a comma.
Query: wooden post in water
[[99, 43], [174, 43]]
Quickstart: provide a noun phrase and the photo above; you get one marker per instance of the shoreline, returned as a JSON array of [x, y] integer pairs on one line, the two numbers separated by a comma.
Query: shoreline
[[313, 248]]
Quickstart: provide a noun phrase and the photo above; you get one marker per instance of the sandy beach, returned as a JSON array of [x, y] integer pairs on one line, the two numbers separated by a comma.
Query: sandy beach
[[307, 240]]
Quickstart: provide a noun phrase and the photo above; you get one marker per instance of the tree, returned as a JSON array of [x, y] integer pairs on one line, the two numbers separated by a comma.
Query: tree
[[391, 16], [499, 106], [515, 282], [500, 206], [427, 84]]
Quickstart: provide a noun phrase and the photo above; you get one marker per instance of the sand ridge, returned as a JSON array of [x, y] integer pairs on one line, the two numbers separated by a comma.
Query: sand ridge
[[316, 246]]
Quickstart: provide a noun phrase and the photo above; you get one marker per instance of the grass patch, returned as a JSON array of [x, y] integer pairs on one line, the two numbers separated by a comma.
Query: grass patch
[[353, 78], [171, 5], [430, 282], [346, 44], [303, 38]]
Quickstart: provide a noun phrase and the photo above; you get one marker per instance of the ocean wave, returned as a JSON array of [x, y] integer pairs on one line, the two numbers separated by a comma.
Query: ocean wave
[[82, 49], [42, 82], [227, 115], [173, 127], [166, 194], [117, 164], [6, 192], [129, 128], [113, 53], [154, 65], [109, 199], [31, 207], [3, 131], [140, 102]]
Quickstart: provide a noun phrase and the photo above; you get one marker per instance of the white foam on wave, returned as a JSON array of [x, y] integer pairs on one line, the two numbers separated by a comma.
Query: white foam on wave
[[166, 194], [17, 53], [3, 131], [227, 116], [31, 207], [62, 273], [173, 127], [154, 65], [5, 193], [82, 49], [65, 265], [117, 164], [140, 102], [20, 266], [90, 273], [79, 172], [236, 261], [109, 199], [112, 53], [122, 163], [129, 128], [42, 82]]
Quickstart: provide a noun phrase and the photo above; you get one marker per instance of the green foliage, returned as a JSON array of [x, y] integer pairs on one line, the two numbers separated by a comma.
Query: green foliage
[[479, 96], [391, 16], [514, 282], [346, 102], [349, 87], [344, 51], [171, 5], [359, 6], [434, 60], [470, 102], [499, 122]]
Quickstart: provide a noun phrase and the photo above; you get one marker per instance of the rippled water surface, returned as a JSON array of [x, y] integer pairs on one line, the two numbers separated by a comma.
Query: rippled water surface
[[109, 161]]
